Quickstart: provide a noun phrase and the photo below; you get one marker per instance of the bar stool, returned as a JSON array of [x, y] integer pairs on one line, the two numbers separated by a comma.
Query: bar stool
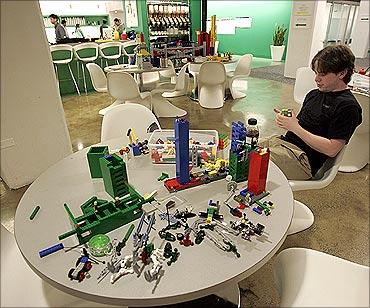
[[110, 51], [85, 53], [128, 49], [63, 58]]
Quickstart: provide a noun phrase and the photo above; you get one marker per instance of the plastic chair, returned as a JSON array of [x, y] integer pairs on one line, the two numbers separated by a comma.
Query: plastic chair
[[181, 87], [194, 69], [309, 278], [119, 119], [211, 83], [303, 217], [79, 51], [304, 83], [116, 46], [21, 287], [128, 48], [123, 87], [357, 154], [98, 78], [242, 70], [169, 73], [65, 60]]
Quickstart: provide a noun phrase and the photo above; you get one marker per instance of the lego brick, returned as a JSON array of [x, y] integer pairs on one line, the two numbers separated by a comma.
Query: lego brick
[[93, 156]]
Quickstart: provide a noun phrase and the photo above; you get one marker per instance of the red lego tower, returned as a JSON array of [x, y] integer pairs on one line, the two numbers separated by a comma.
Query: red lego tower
[[258, 166]]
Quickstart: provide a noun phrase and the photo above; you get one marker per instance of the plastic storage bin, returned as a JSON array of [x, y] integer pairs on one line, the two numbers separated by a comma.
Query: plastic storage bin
[[162, 145]]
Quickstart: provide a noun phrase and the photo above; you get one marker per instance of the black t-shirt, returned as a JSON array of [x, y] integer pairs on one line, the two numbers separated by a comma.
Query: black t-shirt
[[333, 115]]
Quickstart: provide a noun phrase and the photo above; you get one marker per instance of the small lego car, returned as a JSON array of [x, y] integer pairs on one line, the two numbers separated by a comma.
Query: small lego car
[[83, 265]]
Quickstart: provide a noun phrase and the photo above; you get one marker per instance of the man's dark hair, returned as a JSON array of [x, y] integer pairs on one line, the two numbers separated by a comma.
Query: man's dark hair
[[54, 16], [63, 22], [334, 59]]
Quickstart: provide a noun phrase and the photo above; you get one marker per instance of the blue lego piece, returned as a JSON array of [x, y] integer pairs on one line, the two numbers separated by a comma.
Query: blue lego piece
[[182, 150], [136, 150], [258, 210], [238, 136], [47, 251], [243, 192]]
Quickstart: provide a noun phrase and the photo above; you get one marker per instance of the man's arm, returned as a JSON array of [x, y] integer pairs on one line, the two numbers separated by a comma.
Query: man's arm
[[329, 147]]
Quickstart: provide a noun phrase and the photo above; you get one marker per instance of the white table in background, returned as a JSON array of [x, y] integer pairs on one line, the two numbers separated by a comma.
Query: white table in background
[[161, 107], [200, 270]]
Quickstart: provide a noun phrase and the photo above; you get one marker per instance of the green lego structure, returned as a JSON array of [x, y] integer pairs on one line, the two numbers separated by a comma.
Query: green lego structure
[[102, 216], [93, 156], [238, 169], [114, 174]]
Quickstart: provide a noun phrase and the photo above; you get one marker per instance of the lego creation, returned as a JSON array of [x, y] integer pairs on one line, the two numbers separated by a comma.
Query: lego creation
[[223, 141], [239, 153], [286, 112], [102, 216], [93, 156], [114, 174], [258, 167]]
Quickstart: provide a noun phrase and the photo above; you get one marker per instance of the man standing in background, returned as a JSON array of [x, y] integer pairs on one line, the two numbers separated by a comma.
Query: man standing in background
[[64, 25], [118, 26], [60, 32]]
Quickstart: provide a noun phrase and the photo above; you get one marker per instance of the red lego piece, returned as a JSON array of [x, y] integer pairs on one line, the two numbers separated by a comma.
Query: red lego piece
[[258, 167], [187, 241], [173, 185]]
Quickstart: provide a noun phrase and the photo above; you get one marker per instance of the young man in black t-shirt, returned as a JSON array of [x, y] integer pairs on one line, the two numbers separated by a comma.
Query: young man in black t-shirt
[[326, 121]]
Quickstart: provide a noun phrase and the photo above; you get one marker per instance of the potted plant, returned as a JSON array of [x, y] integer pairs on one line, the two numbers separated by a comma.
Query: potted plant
[[277, 47]]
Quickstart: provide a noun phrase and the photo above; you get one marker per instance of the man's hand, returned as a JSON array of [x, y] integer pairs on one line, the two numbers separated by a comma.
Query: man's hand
[[288, 123]]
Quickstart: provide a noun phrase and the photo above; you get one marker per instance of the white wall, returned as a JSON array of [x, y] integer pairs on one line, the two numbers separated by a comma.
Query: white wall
[[360, 33], [34, 133]]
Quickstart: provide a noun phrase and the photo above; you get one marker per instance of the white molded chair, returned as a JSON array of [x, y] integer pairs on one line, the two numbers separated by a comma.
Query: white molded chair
[[128, 48], [123, 87], [21, 287], [309, 278], [169, 73], [357, 154], [98, 78], [119, 119], [79, 50], [303, 217], [242, 70], [181, 87], [115, 56], [211, 83], [67, 60], [304, 83]]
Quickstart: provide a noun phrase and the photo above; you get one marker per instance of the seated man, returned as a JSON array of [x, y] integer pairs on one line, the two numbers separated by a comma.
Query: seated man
[[326, 121]]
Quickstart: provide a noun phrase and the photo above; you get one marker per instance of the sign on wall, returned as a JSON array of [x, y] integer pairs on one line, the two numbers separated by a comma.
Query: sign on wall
[[131, 14], [228, 25]]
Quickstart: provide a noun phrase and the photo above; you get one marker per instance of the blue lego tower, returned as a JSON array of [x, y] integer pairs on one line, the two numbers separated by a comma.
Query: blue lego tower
[[182, 150]]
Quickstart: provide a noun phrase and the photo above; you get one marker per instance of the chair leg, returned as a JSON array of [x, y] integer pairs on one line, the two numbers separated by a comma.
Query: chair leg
[[302, 218], [106, 62], [117, 61], [56, 74], [83, 73], [74, 80]]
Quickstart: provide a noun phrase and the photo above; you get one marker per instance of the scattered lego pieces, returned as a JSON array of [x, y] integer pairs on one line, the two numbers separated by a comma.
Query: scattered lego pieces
[[163, 176], [34, 212]]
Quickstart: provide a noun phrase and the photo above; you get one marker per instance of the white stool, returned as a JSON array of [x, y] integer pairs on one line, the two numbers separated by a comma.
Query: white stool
[[64, 60], [79, 51], [116, 46]]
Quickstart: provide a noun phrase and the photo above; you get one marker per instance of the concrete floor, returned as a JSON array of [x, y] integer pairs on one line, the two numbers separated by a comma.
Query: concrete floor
[[341, 210]]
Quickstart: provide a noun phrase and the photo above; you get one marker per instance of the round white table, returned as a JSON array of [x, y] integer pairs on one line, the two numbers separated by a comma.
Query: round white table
[[161, 107], [200, 270]]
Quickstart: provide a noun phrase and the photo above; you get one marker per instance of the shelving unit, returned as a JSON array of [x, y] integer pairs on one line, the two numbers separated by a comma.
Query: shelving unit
[[82, 20], [177, 53], [169, 20]]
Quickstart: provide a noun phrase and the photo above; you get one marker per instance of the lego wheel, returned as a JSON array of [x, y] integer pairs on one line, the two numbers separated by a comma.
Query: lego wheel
[[88, 266], [80, 276], [70, 273]]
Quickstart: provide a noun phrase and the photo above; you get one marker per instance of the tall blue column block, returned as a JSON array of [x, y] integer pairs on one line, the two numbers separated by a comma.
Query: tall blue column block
[[182, 150]]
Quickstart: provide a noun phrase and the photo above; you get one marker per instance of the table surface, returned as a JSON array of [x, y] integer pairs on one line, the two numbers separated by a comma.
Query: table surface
[[200, 270], [132, 69]]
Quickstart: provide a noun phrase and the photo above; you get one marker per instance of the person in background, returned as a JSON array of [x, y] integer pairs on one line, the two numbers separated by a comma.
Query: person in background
[[64, 24], [102, 27], [60, 31], [326, 121], [118, 26], [78, 32]]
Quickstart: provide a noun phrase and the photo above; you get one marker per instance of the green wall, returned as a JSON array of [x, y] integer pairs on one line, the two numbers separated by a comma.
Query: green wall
[[195, 17], [257, 39]]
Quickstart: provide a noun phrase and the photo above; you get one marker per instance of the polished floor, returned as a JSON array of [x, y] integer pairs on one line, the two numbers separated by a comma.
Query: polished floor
[[341, 210]]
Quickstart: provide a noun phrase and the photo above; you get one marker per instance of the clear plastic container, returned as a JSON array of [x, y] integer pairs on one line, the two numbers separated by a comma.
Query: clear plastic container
[[162, 145], [252, 132]]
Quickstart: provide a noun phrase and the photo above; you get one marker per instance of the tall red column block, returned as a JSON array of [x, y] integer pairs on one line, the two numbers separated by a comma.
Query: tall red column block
[[258, 167]]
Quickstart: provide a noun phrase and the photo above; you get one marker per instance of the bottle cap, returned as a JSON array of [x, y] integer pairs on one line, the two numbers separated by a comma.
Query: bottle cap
[[252, 121]]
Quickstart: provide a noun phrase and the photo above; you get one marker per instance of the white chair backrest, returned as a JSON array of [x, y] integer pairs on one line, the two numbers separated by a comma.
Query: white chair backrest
[[127, 47], [244, 65], [98, 78], [103, 46], [63, 47], [364, 102], [170, 72], [119, 119], [181, 79], [212, 73], [150, 77], [194, 67], [122, 86], [82, 46], [304, 83]]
